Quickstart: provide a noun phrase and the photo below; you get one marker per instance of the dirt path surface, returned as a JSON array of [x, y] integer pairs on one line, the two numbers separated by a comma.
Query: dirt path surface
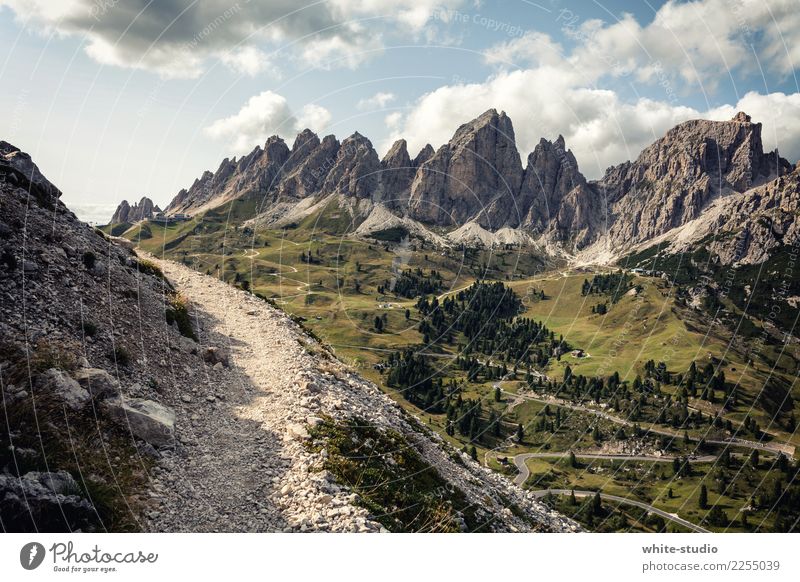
[[241, 464]]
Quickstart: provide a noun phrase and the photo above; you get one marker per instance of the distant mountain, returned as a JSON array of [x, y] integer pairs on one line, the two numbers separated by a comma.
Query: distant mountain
[[139, 211], [477, 190]]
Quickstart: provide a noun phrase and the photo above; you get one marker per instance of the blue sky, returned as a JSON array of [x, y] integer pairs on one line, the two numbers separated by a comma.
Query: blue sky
[[124, 98]]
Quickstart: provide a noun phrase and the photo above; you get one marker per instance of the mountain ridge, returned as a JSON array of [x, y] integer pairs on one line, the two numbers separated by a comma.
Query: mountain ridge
[[479, 177]]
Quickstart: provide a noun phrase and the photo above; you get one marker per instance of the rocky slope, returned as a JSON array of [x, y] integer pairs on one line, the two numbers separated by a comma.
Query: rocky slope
[[141, 210], [142, 395], [476, 183]]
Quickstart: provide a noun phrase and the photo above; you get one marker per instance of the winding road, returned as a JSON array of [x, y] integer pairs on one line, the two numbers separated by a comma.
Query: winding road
[[524, 472], [622, 500], [734, 442]]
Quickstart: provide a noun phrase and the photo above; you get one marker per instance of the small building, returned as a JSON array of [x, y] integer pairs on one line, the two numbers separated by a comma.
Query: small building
[[577, 353]]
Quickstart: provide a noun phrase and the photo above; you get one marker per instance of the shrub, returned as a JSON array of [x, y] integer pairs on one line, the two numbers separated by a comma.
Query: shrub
[[150, 268], [178, 313], [89, 328], [89, 259], [121, 355]]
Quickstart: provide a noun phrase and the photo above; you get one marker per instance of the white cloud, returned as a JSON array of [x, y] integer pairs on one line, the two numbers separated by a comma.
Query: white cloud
[[377, 101], [314, 117], [177, 38], [533, 48], [247, 60], [693, 44], [264, 115]]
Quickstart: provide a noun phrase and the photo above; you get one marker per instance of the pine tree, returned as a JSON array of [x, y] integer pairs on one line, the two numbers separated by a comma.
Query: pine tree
[[497, 395], [473, 452], [597, 504], [520, 433], [754, 458], [703, 500]]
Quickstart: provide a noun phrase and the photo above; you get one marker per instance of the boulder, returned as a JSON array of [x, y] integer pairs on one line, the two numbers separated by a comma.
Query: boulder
[[214, 355], [97, 381], [65, 388], [150, 421], [43, 502]]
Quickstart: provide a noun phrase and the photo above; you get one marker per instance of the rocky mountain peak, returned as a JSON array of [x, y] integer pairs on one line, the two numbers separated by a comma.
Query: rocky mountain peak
[[397, 174], [476, 176], [678, 176], [18, 168], [356, 171], [141, 210], [424, 155]]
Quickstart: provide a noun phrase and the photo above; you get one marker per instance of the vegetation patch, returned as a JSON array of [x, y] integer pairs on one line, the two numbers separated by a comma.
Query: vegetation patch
[[402, 491], [177, 312]]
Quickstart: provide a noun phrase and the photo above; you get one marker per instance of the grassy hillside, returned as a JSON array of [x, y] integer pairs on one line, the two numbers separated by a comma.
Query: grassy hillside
[[342, 289]]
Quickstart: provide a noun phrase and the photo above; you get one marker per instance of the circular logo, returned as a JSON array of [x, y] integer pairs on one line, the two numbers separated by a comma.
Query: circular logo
[[31, 555]]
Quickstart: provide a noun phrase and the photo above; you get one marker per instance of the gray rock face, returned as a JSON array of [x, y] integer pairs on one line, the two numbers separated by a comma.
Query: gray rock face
[[147, 420], [674, 180], [19, 169], [356, 171], [397, 174], [141, 210], [744, 228], [43, 502], [64, 388], [472, 177], [308, 165]]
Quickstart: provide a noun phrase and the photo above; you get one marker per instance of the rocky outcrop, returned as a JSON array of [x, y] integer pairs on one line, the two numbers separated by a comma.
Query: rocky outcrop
[[142, 210], [17, 168], [64, 388], [43, 502], [476, 176], [676, 178]]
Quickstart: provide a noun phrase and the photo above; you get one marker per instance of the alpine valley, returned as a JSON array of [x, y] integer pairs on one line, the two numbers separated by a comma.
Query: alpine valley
[[625, 348]]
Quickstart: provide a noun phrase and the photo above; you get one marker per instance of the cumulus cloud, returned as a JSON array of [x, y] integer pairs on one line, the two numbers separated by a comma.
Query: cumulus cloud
[[178, 38], [377, 101], [264, 115], [314, 117], [601, 128], [697, 43]]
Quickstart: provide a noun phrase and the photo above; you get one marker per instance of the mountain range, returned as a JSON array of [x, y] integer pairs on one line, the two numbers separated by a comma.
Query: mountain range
[[702, 177]]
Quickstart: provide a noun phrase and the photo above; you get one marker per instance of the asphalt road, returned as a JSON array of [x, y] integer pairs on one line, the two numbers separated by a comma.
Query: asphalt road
[[524, 472]]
